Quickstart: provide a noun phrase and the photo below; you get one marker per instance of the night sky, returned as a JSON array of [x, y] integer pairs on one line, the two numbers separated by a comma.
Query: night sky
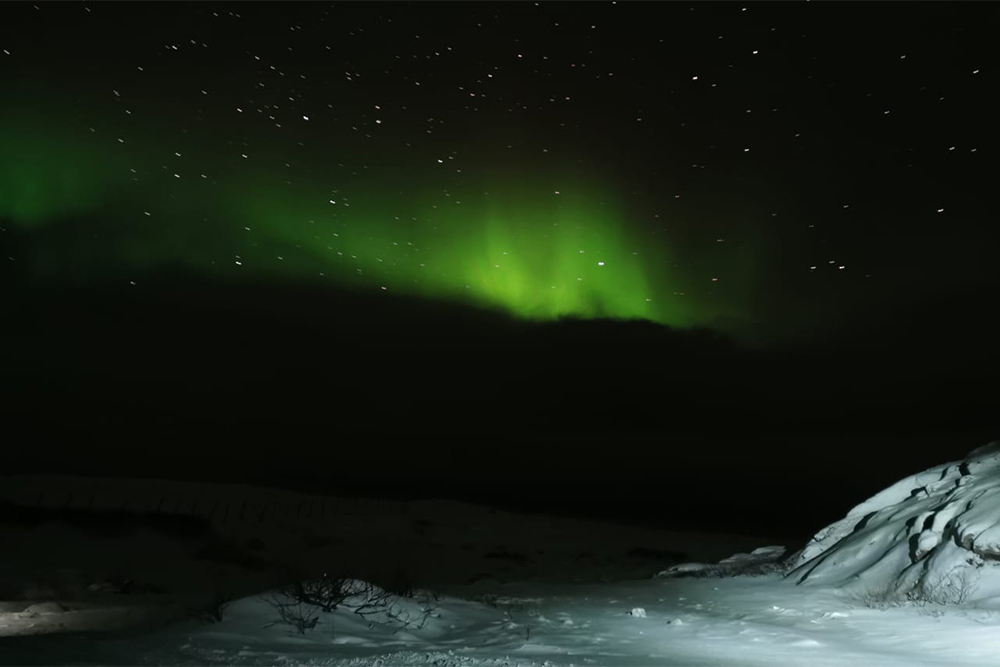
[[562, 249]]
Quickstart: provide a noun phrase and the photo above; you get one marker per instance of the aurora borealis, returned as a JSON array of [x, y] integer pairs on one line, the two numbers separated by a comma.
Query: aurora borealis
[[498, 155], [543, 171], [534, 253], [118, 198], [314, 159], [518, 157]]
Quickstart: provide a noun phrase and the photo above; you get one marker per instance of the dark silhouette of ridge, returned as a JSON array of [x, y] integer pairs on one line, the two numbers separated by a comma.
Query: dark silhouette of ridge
[[308, 387]]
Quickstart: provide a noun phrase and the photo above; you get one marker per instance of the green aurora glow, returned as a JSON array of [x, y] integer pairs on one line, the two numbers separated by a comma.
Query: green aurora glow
[[95, 208]]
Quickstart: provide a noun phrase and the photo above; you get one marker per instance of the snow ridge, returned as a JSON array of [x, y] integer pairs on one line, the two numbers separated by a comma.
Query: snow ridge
[[937, 528]]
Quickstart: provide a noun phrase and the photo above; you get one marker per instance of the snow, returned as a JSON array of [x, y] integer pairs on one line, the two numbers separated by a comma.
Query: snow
[[910, 576], [688, 621], [935, 534]]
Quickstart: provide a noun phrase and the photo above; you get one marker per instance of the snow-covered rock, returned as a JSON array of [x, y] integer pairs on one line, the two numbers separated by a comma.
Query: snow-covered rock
[[682, 569], [755, 562], [934, 535], [768, 554]]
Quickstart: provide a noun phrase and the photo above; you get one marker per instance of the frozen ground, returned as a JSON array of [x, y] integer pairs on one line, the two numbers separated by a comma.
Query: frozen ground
[[762, 620], [878, 588]]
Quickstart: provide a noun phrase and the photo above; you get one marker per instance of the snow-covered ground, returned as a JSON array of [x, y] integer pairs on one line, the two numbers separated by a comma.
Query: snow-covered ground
[[688, 621], [909, 577]]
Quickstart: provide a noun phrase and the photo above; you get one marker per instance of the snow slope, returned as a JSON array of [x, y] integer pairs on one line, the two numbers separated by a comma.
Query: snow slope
[[933, 536]]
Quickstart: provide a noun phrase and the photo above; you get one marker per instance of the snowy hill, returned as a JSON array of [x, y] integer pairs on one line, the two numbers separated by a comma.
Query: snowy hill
[[933, 536]]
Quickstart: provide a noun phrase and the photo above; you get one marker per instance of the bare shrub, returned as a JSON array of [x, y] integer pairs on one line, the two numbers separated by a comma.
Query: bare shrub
[[954, 588], [326, 592], [300, 603], [300, 615], [373, 601], [880, 598]]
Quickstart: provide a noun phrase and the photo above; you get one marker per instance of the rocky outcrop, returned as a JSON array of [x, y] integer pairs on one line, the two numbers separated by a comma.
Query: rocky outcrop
[[938, 530]]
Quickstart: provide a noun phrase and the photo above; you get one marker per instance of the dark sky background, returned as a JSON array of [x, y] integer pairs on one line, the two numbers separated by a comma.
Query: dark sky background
[[726, 263]]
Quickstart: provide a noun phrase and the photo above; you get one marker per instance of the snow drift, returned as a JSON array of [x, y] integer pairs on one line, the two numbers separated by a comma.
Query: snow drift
[[933, 536]]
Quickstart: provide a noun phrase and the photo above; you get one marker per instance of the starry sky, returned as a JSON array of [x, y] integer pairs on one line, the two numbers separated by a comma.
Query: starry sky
[[768, 170], [796, 179]]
